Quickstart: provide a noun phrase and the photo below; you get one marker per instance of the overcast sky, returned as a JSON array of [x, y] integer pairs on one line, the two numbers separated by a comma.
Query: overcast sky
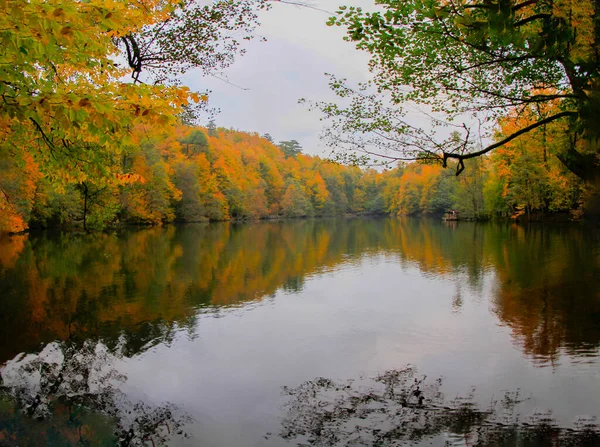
[[290, 65]]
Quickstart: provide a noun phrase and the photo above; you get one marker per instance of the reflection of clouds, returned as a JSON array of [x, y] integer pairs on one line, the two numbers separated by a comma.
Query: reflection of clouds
[[400, 406], [85, 375], [60, 370]]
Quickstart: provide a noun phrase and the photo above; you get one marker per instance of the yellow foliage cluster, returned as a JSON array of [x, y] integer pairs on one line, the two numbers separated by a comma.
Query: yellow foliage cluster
[[66, 98], [182, 173]]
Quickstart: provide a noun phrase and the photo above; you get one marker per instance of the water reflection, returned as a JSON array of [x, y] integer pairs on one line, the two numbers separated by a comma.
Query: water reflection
[[400, 407], [143, 286], [92, 300], [73, 389], [142, 283]]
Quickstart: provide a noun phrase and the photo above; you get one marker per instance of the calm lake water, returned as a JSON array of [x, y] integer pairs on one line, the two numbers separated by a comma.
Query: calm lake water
[[312, 332]]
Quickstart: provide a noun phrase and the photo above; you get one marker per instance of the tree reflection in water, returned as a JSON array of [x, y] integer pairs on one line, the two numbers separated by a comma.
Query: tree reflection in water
[[143, 283], [141, 288], [71, 393], [400, 407]]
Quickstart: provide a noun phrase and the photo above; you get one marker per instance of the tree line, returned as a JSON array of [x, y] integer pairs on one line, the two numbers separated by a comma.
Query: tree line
[[82, 144], [191, 174], [523, 178]]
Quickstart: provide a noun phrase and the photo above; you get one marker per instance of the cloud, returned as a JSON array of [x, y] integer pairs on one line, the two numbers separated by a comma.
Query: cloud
[[266, 83]]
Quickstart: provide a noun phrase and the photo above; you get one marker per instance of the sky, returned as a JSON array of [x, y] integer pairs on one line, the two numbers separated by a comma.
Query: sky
[[266, 83]]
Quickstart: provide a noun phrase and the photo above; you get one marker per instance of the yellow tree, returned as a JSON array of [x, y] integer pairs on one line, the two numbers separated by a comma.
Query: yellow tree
[[66, 99], [527, 174]]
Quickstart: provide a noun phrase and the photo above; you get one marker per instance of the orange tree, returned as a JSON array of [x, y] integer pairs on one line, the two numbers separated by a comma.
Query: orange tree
[[67, 102]]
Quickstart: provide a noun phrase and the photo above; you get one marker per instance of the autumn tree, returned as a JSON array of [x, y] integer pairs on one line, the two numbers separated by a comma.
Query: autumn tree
[[295, 202], [463, 58], [525, 176], [274, 183], [18, 192], [150, 199], [318, 193], [391, 187], [64, 98], [67, 104]]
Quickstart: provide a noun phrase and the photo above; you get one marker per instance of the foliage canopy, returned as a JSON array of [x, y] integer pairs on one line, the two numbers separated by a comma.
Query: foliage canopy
[[470, 57], [65, 94], [71, 82]]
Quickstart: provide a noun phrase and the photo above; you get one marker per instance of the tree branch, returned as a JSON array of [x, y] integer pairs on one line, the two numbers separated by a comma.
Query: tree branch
[[531, 19], [45, 137], [523, 5], [462, 157]]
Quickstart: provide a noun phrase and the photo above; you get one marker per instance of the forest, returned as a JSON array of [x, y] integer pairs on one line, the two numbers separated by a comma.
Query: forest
[[193, 174], [96, 130], [262, 267]]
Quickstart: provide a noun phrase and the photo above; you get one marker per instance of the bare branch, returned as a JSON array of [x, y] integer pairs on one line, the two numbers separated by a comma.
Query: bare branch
[[462, 157]]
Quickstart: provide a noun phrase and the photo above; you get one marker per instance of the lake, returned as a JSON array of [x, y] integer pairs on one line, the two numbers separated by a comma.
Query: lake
[[303, 332]]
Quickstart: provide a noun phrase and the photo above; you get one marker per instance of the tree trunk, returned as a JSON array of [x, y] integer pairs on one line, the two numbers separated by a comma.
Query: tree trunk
[[85, 208]]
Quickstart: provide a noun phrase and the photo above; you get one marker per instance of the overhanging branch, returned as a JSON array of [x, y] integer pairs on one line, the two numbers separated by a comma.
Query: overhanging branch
[[462, 157]]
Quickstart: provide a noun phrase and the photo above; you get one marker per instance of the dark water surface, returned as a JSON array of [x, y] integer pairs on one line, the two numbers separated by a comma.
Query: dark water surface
[[322, 332]]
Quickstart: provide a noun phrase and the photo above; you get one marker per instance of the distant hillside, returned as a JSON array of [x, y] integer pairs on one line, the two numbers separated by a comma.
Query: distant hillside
[[189, 174]]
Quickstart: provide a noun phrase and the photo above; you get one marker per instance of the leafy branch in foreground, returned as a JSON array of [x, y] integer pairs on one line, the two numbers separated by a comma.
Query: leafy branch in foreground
[[465, 58], [67, 104], [195, 35]]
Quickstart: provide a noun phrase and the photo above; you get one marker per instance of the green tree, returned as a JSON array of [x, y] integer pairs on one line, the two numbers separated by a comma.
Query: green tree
[[471, 57], [295, 202], [190, 208], [468, 196], [194, 143], [290, 148], [98, 204], [438, 194], [268, 137], [211, 127]]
